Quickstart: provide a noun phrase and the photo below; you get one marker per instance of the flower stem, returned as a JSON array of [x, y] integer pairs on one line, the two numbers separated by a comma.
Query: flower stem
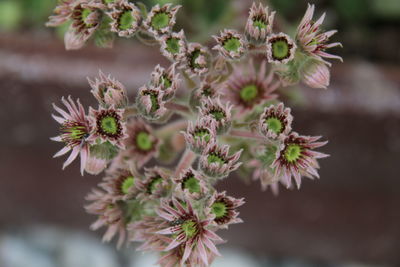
[[177, 107], [172, 128], [186, 161], [239, 133]]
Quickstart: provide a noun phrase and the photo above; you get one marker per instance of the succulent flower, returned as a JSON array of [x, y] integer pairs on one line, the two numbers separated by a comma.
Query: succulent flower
[[142, 144], [221, 114], [161, 20], [173, 46], [108, 126], [315, 74], [206, 89], [120, 184], [223, 208], [259, 23], [276, 121], [230, 44], [280, 48], [196, 60], [150, 102], [85, 17], [296, 158], [109, 214], [75, 129], [199, 135], [216, 162], [125, 18], [194, 235], [312, 39], [191, 183], [167, 80], [155, 184], [95, 164], [248, 87], [108, 91]]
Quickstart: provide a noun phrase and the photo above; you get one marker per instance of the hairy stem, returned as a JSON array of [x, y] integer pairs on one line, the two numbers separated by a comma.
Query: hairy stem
[[177, 107], [247, 134], [186, 161]]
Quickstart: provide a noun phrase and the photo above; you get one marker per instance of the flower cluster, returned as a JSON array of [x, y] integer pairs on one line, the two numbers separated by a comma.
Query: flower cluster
[[227, 117]]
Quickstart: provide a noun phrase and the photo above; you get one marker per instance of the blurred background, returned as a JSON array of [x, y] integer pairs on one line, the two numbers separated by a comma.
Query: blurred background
[[350, 217]]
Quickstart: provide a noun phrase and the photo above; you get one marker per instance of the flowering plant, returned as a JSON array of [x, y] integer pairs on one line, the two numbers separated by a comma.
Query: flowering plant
[[231, 119]]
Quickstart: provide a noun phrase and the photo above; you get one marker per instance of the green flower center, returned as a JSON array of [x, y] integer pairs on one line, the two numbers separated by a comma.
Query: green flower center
[[154, 100], [274, 125], [159, 21], [127, 184], [219, 209], [189, 228], [173, 45], [126, 20], [84, 15], [166, 82], [214, 158], [207, 91], [280, 49], [292, 152], [193, 59], [153, 184], [109, 125], [143, 141], [192, 184], [75, 132], [249, 92], [218, 114], [259, 24], [232, 44], [203, 133]]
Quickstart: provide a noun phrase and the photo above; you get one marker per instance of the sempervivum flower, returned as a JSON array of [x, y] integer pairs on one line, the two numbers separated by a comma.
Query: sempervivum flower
[[155, 184], [150, 102], [259, 24], [120, 184], [297, 158], [248, 87], [194, 235], [196, 60], [95, 164], [276, 121], [280, 48], [108, 91], [75, 128], [85, 16], [217, 163], [206, 89], [62, 13], [108, 126], [312, 39], [125, 17], [221, 114], [191, 183], [230, 44], [142, 144], [109, 214], [174, 46], [315, 74], [199, 135], [160, 20], [167, 80], [223, 208]]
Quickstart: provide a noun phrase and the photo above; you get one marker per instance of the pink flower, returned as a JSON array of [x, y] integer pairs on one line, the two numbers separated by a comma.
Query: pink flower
[[230, 44], [161, 19], [248, 87], [126, 18], [75, 129], [220, 113], [167, 80], [194, 235], [297, 158], [312, 39], [109, 214], [280, 48], [200, 134], [259, 23], [191, 184], [223, 208], [108, 126], [276, 121], [316, 74], [174, 46]]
